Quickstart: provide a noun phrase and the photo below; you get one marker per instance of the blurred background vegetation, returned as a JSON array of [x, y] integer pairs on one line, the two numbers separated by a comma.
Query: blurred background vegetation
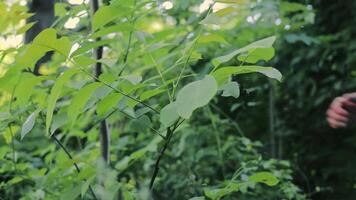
[[271, 126]]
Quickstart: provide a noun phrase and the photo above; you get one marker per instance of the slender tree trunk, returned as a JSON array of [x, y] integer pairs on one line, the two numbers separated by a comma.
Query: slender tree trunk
[[44, 16], [104, 129]]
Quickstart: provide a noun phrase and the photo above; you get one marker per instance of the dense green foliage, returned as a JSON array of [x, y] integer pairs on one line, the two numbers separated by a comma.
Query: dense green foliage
[[193, 106]]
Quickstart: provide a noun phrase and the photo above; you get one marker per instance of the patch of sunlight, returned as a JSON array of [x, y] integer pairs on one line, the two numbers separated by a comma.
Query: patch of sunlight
[[167, 5], [10, 41], [205, 5], [72, 22], [75, 2]]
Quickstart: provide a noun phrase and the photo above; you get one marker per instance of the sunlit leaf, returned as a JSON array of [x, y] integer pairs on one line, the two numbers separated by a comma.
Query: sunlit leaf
[[28, 124], [222, 75], [195, 95], [264, 177], [80, 99], [264, 43], [55, 93], [169, 114], [255, 55]]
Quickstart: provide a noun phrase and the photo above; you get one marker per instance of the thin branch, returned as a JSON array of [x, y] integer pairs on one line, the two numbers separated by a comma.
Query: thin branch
[[170, 132], [75, 164], [160, 155]]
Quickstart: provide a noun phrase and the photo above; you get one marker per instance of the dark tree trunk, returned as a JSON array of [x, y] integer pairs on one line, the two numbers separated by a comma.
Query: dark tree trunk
[[44, 16]]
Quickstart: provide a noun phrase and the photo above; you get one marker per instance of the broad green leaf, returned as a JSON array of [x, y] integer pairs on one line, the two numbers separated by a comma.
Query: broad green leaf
[[28, 124], [212, 38], [24, 88], [255, 55], [169, 115], [264, 43], [44, 42], [108, 103], [264, 177], [58, 121], [107, 14], [195, 95], [222, 75], [91, 45], [60, 9], [48, 38], [150, 93], [231, 89], [113, 29], [55, 93], [80, 99], [25, 28], [83, 61]]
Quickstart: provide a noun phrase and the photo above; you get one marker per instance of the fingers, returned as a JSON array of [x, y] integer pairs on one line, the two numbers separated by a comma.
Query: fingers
[[335, 124], [337, 106], [337, 115]]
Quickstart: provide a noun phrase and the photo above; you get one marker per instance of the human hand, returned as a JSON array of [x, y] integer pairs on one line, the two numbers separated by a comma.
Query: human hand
[[342, 111]]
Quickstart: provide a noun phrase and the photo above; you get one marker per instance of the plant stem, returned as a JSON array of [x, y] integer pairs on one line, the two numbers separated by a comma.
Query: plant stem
[[168, 137], [75, 164], [160, 155], [104, 129]]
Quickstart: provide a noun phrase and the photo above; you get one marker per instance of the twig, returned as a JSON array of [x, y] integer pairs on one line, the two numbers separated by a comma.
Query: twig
[[169, 136], [75, 164]]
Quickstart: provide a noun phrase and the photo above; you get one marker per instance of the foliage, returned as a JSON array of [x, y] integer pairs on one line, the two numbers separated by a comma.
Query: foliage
[[164, 72]]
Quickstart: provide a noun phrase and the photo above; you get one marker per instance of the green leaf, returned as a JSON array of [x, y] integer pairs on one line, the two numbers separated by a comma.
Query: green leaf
[[48, 38], [55, 93], [222, 75], [58, 121], [255, 55], [212, 38], [44, 42], [60, 9], [91, 45], [113, 29], [107, 14], [195, 95], [83, 61], [25, 28], [264, 177], [108, 103], [231, 89], [169, 115], [150, 93], [80, 99], [28, 125], [264, 43]]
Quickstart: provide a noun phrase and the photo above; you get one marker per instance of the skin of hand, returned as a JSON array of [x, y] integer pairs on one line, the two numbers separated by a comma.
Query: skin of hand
[[342, 111]]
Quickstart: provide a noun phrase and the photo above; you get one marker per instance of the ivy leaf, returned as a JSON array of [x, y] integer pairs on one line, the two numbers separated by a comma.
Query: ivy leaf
[[169, 115], [195, 95], [255, 55], [264, 43], [264, 177], [231, 89], [55, 93], [222, 75], [28, 125], [80, 99]]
